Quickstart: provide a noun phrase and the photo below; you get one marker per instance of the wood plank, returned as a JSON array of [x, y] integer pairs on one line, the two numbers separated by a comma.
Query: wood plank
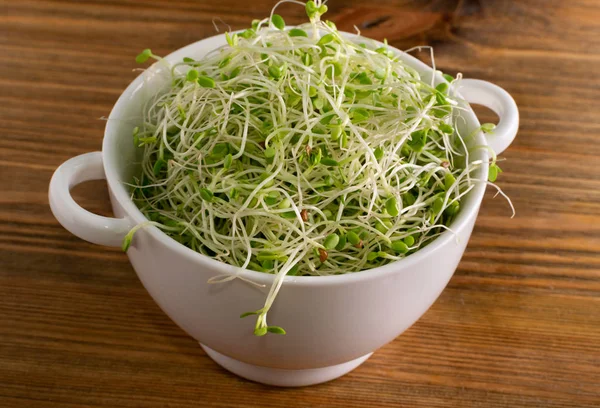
[[517, 326]]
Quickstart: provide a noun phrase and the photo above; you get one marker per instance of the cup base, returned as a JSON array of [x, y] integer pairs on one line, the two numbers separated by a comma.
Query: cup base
[[282, 377]]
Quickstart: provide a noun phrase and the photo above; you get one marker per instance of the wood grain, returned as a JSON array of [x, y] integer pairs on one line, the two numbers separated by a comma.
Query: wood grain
[[518, 325]]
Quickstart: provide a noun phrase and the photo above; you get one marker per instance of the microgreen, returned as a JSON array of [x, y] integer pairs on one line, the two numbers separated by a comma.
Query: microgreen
[[296, 151], [206, 82], [488, 127], [331, 241], [391, 206], [493, 172], [143, 56], [278, 21], [297, 32]]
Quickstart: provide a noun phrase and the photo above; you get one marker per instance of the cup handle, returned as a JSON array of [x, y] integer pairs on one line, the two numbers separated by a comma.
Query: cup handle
[[497, 99], [77, 220]]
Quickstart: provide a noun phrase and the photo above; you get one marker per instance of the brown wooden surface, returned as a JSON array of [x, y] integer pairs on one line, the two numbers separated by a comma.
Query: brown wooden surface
[[518, 325]]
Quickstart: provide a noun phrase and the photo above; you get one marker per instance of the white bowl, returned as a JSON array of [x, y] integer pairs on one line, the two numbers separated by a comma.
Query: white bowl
[[333, 323]]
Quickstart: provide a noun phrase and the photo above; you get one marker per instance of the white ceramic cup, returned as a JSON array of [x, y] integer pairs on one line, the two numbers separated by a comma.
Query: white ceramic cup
[[333, 323]]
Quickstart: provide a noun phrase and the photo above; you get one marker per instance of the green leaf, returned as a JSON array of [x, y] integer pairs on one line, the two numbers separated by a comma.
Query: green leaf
[[260, 331], [378, 153], [383, 226], [418, 140], [453, 208], [318, 103], [444, 127], [256, 312], [331, 241], [192, 75], [285, 203], [493, 172], [353, 237], [448, 78], [181, 112], [340, 246], [272, 198], [327, 38], [391, 206], [344, 140], [311, 9], [220, 150], [235, 72], [294, 270], [158, 166], [297, 32], [380, 73], [228, 160], [449, 181], [206, 194], [408, 198], [359, 114], [224, 62], [143, 56], [334, 69], [442, 107], [336, 131], [249, 33], [363, 79], [278, 21], [399, 247], [206, 82], [371, 256], [288, 214], [307, 60], [126, 242], [275, 330], [275, 71], [268, 264], [327, 161], [269, 153], [437, 205], [442, 87], [488, 127]]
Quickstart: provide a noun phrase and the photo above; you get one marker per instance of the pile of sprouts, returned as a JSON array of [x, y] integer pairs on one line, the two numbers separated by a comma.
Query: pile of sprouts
[[296, 151]]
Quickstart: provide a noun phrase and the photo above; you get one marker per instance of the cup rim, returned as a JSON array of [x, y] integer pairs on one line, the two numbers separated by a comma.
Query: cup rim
[[120, 194]]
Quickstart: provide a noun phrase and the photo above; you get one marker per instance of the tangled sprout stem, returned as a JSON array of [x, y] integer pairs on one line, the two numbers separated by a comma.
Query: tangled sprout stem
[[299, 152]]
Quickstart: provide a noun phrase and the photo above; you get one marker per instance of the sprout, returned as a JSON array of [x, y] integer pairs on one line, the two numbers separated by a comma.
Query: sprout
[[299, 152], [353, 238], [143, 56], [278, 21], [493, 172], [297, 32], [331, 241], [488, 127], [399, 246], [391, 206], [206, 82], [192, 75], [206, 194]]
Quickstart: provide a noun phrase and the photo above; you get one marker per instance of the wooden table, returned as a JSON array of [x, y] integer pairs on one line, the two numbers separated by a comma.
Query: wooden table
[[518, 325]]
